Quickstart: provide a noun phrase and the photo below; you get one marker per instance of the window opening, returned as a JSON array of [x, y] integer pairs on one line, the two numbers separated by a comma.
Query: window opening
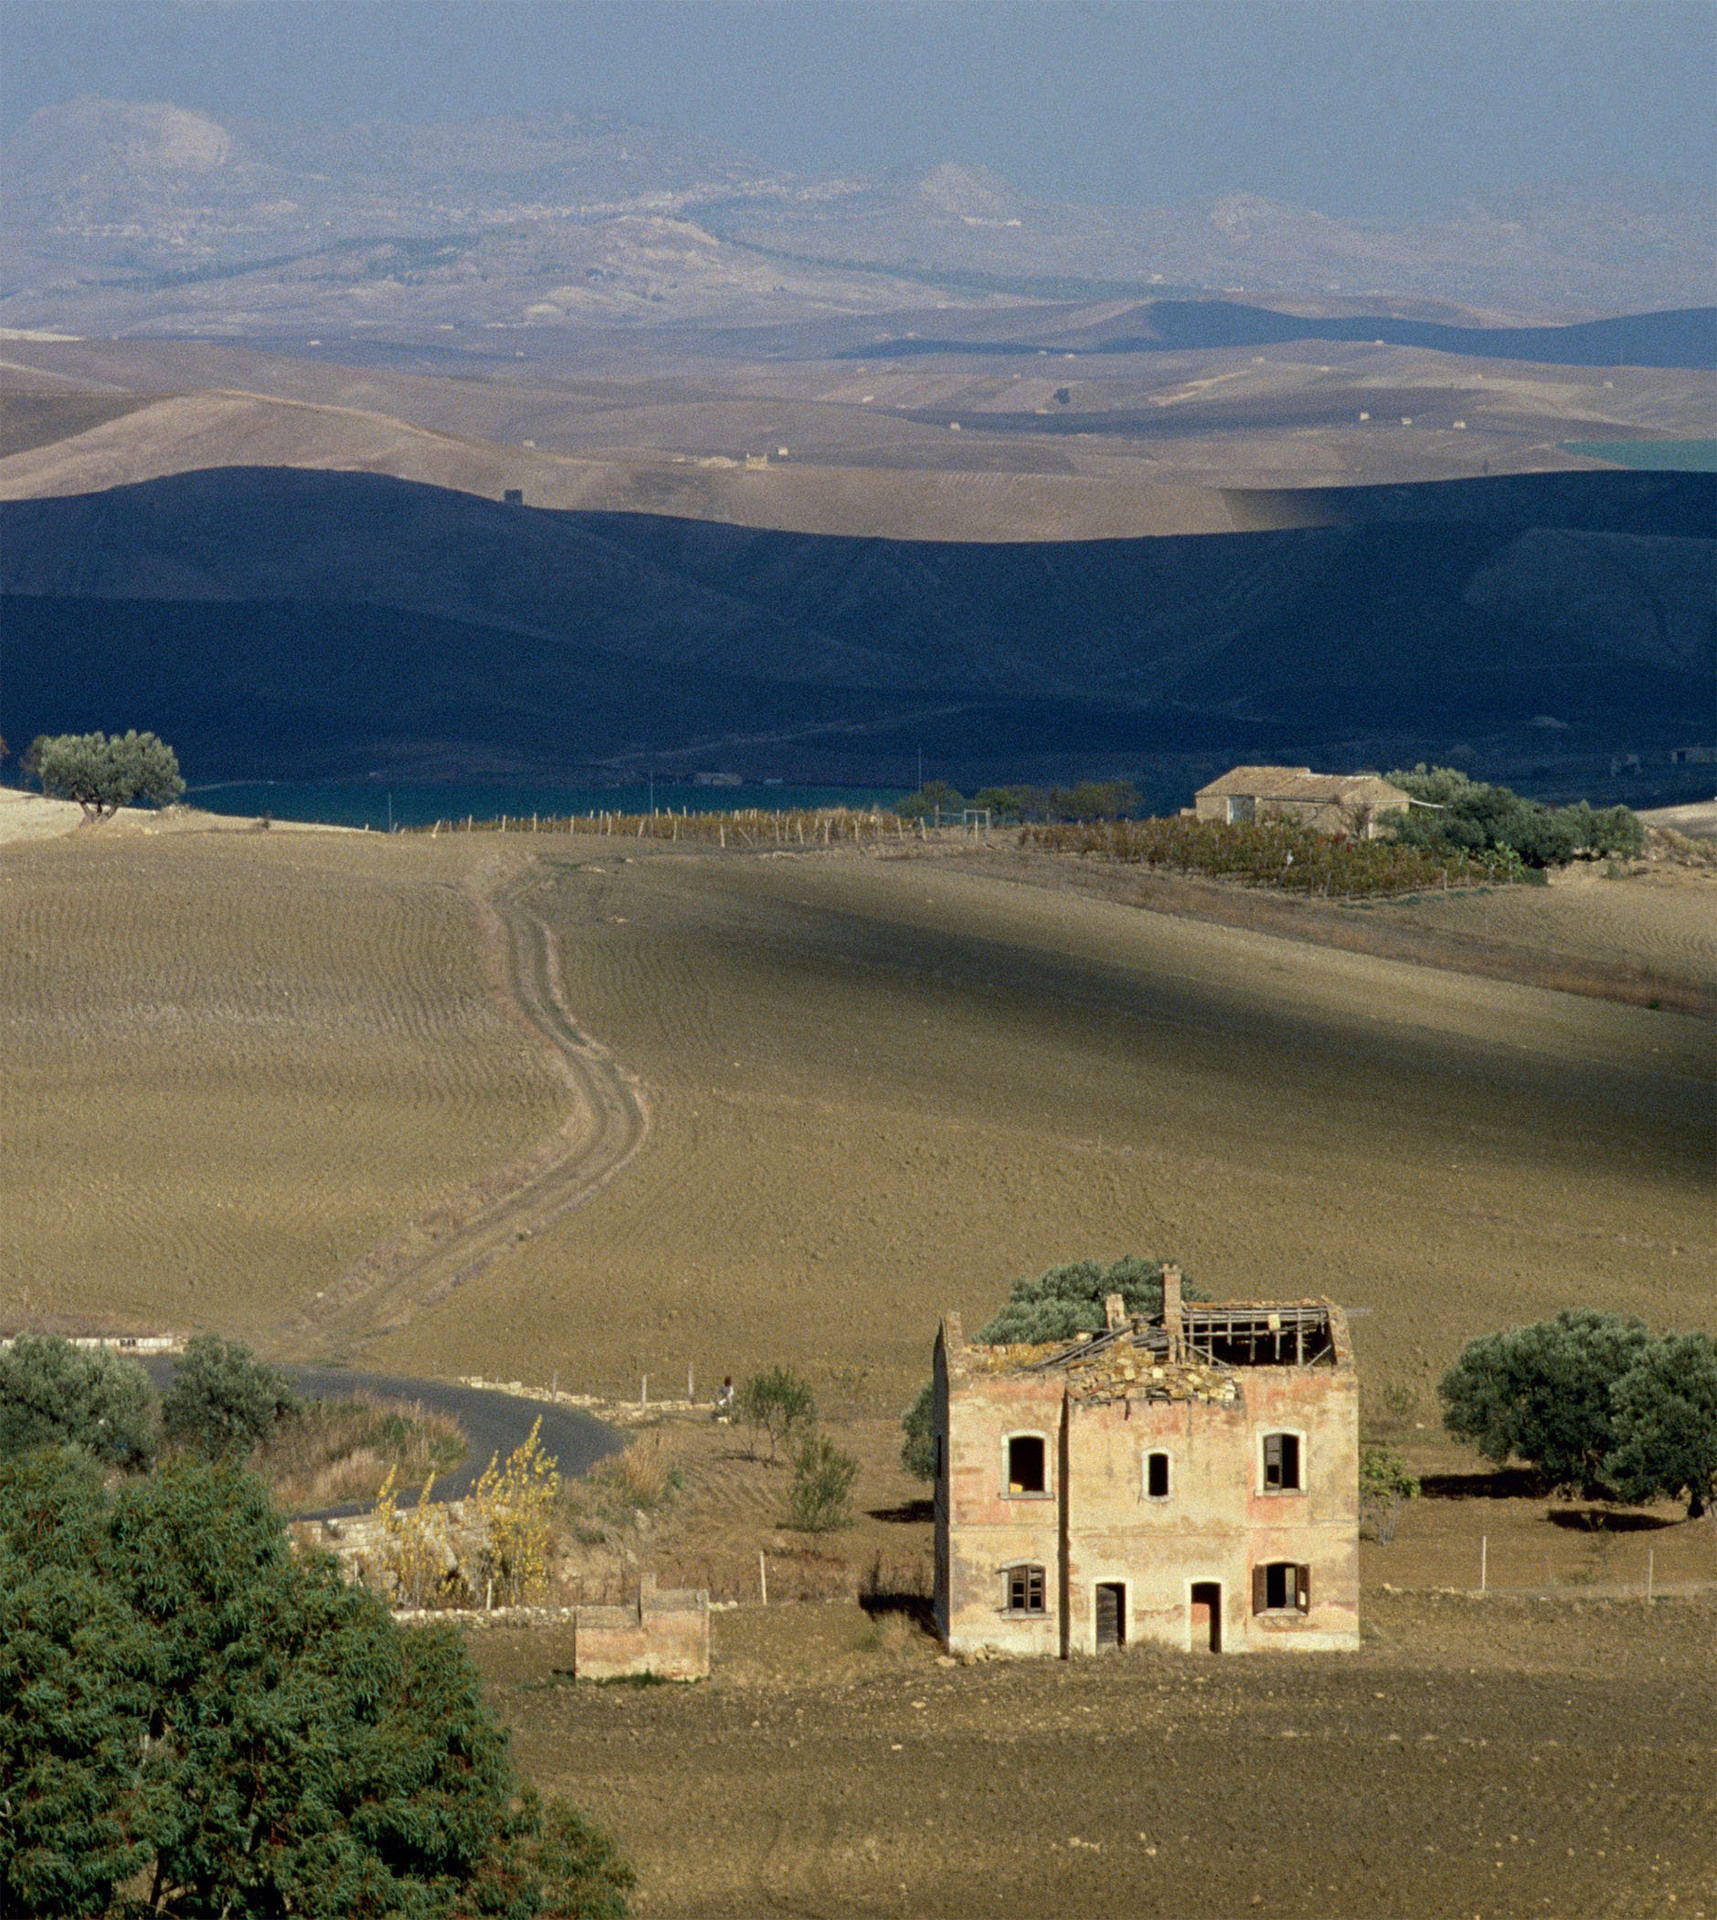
[[1282, 1463], [1111, 1614], [1023, 1590], [1026, 1463], [1282, 1586], [1156, 1476]]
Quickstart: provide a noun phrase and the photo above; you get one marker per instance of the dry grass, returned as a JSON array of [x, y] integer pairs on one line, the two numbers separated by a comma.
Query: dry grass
[[335, 1452]]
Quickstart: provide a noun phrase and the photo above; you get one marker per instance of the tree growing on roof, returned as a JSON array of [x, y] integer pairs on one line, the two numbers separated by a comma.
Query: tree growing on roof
[[1066, 1301], [1060, 1303]]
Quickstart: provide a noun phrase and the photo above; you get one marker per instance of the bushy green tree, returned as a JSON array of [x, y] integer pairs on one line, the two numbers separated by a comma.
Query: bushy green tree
[[223, 1400], [1542, 1394], [777, 1403], [823, 1476], [1467, 816], [933, 797], [1664, 1415], [102, 775], [918, 1449], [55, 1394], [1067, 1301], [1385, 1485], [230, 1728]]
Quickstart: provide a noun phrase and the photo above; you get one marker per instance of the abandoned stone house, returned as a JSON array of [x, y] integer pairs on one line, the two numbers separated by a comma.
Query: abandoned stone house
[[1191, 1480], [1356, 803]]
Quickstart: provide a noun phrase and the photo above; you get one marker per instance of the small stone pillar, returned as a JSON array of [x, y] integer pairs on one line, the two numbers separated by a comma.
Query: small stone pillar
[[1115, 1313], [1171, 1310]]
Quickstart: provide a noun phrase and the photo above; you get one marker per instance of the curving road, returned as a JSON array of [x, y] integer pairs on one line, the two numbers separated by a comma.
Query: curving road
[[494, 1422], [605, 1131]]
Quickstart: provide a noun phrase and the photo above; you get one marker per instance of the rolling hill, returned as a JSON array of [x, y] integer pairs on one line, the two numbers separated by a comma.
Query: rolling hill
[[297, 623]]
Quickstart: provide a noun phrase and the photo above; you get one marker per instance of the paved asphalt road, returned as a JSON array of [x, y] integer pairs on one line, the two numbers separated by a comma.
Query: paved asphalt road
[[494, 1422]]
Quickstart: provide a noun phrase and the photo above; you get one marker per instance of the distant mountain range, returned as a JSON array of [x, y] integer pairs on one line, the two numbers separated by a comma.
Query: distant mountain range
[[286, 623], [1686, 338], [131, 218]]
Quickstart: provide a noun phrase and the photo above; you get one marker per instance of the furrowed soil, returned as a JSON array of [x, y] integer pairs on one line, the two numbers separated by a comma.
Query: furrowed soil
[[585, 1110], [236, 1062], [883, 1087], [1491, 1759]]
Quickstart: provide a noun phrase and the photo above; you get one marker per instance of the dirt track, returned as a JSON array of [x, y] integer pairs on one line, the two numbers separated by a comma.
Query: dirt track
[[606, 1129]]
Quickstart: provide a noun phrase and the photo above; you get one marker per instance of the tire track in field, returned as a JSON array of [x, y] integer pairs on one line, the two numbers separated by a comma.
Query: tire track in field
[[460, 1239]]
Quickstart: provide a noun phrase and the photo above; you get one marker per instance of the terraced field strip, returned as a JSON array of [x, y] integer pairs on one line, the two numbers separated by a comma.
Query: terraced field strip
[[604, 1132]]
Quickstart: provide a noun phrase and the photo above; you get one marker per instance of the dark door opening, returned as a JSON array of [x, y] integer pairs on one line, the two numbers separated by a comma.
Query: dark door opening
[[1207, 1615], [1111, 1615]]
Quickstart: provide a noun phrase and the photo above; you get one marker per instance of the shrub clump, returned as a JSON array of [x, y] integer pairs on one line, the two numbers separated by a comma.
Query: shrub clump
[[1284, 854], [822, 1497]]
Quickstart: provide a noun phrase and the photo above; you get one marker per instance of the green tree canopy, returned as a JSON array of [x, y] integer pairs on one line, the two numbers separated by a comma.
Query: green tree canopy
[[1542, 1393], [1064, 1302], [918, 1422], [1664, 1414], [102, 775], [777, 1403], [223, 1400], [54, 1394], [1471, 817], [194, 1720]]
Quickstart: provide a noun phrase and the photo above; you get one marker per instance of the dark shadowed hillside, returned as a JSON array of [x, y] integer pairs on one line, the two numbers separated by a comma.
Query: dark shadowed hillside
[[285, 622]]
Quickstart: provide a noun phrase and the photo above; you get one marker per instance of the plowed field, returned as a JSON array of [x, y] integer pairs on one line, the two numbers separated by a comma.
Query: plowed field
[[234, 1063], [1491, 1760], [881, 1088]]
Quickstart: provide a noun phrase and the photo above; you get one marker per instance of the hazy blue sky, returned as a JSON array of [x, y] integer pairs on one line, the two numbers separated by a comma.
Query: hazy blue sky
[[1351, 106]]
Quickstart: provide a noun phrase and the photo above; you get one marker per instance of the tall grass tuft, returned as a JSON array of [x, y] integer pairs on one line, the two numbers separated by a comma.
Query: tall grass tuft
[[334, 1452]]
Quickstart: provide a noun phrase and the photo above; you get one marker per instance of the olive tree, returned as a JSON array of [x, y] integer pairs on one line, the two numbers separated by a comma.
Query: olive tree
[[777, 1403], [1664, 1414], [223, 1399], [1542, 1393], [55, 1394], [102, 775]]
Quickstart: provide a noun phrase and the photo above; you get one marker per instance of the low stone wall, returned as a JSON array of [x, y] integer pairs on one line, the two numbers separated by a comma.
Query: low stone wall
[[664, 1633]]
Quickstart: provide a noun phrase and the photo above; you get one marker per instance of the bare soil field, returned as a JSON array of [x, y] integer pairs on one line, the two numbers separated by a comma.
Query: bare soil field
[[1485, 1758], [280, 1084], [883, 1087], [235, 1063], [323, 1092]]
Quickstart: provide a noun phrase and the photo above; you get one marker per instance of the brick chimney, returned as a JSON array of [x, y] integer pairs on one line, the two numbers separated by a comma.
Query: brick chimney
[[1171, 1310], [1115, 1313]]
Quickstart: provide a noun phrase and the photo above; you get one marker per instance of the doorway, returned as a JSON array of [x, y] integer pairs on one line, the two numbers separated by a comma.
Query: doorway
[[1207, 1615], [1111, 1615]]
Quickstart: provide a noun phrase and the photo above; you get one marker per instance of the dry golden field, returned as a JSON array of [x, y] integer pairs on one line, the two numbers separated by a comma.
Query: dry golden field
[[246, 1070], [883, 1087], [234, 1062], [525, 1108]]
